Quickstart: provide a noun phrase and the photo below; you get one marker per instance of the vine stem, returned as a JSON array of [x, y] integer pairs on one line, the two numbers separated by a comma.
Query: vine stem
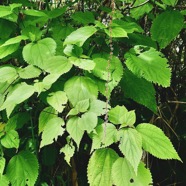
[[107, 92]]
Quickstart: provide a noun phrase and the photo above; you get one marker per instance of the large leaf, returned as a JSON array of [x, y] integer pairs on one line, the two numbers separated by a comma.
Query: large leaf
[[85, 64], [57, 100], [131, 146], [22, 169], [38, 53], [166, 27], [141, 10], [11, 139], [8, 73], [79, 88], [29, 72], [74, 129], [79, 36], [47, 114], [4, 180], [57, 65], [7, 50], [103, 136], [17, 95], [51, 131], [88, 121], [149, 64], [124, 175], [100, 166], [139, 89], [155, 142]]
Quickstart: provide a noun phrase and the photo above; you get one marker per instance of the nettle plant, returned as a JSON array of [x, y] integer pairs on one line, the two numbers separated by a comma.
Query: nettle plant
[[57, 75]]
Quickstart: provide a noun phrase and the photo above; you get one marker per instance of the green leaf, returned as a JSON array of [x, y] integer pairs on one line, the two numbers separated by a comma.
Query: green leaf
[[51, 131], [7, 50], [79, 36], [170, 2], [116, 114], [83, 17], [68, 150], [5, 10], [17, 95], [99, 167], [47, 114], [36, 13], [129, 27], [2, 165], [85, 87], [123, 174], [73, 50], [141, 10], [14, 40], [22, 169], [29, 72], [149, 64], [4, 180], [85, 64], [37, 53], [74, 129], [57, 100], [116, 32], [7, 73], [61, 62], [131, 146], [139, 89], [88, 121], [11, 139], [103, 136], [156, 142], [166, 26]]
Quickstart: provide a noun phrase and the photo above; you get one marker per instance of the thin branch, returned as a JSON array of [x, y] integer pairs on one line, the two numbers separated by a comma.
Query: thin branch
[[177, 102], [140, 4]]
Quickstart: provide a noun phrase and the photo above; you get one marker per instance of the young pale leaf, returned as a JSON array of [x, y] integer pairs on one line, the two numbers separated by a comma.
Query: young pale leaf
[[23, 169], [124, 175], [57, 100], [10, 139], [36, 13], [51, 131], [88, 121], [74, 129], [5, 10], [116, 114], [37, 53], [131, 146], [2, 165], [85, 87], [47, 114], [132, 88], [166, 27], [57, 65], [85, 64], [149, 64], [79, 36], [103, 136], [68, 150], [129, 119], [156, 142], [117, 31], [29, 72], [17, 95], [8, 73], [4, 180], [100, 166], [98, 107]]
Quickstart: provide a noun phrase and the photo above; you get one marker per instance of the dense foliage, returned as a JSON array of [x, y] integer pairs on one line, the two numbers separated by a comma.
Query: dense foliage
[[82, 87]]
